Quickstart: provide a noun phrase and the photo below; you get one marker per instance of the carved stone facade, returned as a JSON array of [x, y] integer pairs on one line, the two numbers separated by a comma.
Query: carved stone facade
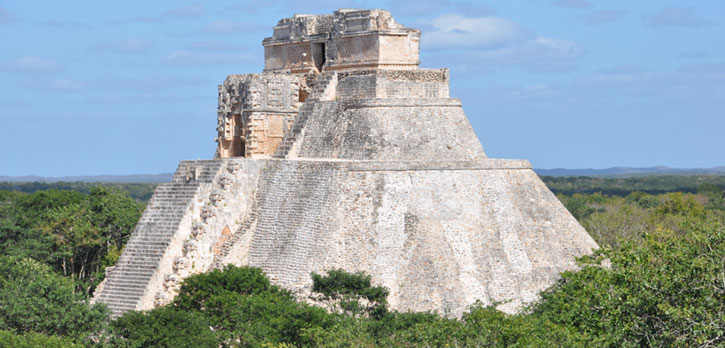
[[347, 39], [254, 112]]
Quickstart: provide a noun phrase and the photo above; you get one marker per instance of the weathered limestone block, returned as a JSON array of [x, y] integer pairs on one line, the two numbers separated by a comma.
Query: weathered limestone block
[[197, 229], [160, 299], [171, 281], [190, 246], [207, 213], [216, 196], [181, 263], [225, 181]]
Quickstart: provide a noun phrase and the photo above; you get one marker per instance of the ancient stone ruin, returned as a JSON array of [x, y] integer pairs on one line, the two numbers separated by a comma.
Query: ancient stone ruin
[[345, 154]]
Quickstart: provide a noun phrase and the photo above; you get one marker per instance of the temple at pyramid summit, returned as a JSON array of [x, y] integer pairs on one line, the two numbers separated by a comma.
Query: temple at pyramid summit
[[343, 153]]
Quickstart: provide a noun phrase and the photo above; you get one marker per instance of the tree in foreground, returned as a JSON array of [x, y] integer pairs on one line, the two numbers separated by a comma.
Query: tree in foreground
[[666, 290], [35, 299]]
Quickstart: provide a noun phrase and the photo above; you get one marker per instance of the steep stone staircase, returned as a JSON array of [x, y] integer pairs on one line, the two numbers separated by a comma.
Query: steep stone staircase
[[125, 286], [324, 89]]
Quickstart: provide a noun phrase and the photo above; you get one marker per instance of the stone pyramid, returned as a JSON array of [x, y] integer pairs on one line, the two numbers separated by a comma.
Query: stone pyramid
[[345, 154]]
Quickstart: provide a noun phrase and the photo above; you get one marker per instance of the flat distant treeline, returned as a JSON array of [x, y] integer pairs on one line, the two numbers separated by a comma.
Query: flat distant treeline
[[569, 185], [138, 191]]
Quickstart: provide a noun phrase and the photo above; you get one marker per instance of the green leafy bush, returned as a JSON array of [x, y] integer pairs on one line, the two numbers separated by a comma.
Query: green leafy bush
[[666, 290], [163, 327], [9, 339], [351, 293], [35, 299]]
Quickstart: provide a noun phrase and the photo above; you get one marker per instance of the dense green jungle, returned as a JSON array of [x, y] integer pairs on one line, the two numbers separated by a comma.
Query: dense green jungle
[[658, 280]]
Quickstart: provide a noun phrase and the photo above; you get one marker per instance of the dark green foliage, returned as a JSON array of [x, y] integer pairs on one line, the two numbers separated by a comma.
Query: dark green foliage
[[352, 293], [163, 327], [715, 195], [582, 206], [9, 339], [35, 299], [239, 304], [668, 289], [77, 234], [198, 289]]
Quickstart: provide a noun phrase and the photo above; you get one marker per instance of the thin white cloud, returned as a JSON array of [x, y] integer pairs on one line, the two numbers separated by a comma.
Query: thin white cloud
[[538, 54], [6, 17], [131, 45], [30, 64], [135, 45], [693, 54], [184, 57], [712, 71], [216, 45], [695, 76], [456, 31], [538, 90], [157, 82], [676, 17], [64, 85], [250, 6], [616, 76], [488, 41], [604, 16], [231, 27], [65, 25], [426, 7], [184, 12], [55, 84], [573, 3], [190, 11]]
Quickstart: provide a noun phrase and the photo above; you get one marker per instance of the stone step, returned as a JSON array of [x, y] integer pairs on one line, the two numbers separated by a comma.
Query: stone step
[[138, 262], [131, 281], [118, 301], [147, 253], [170, 197], [123, 295], [136, 275], [125, 291], [149, 241], [137, 251]]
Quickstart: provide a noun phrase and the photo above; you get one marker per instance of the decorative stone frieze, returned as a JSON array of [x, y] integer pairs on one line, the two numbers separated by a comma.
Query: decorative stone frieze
[[216, 196], [180, 264], [207, 213], [197, 228], [171, 281], [190, 246]]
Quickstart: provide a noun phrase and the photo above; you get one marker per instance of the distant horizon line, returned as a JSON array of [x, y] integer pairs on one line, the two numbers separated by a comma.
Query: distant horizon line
[[560, 171]]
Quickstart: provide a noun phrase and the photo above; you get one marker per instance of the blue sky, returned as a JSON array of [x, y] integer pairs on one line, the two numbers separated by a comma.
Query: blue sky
[[89, 87]]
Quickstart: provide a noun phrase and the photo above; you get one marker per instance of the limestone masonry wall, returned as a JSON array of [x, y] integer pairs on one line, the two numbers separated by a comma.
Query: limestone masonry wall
[[379, 129], [385, 84], [439, 235]]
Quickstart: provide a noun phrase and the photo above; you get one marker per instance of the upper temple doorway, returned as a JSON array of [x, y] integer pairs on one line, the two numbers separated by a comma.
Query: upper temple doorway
[[318, 55]]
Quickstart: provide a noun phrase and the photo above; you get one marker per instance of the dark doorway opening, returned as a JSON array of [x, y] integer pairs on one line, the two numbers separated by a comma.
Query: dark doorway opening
[[318, 55]]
